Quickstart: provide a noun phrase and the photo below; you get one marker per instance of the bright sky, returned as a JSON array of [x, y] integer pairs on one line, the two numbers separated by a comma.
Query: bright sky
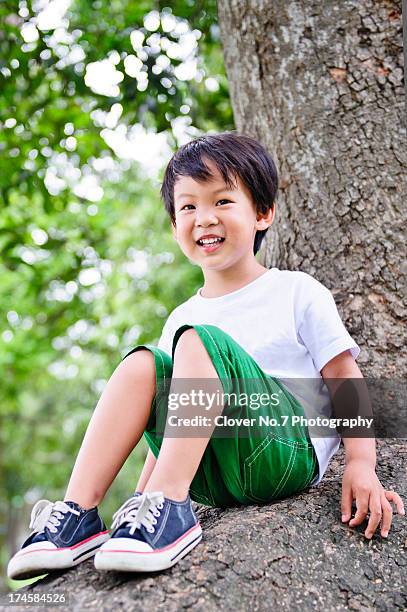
[[149, 149]]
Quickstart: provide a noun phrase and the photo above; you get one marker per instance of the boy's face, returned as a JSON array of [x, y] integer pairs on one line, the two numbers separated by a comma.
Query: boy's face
[[210, 208]]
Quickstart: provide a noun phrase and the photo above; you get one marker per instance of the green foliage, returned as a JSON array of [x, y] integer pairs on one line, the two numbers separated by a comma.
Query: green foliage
[[85, 278]]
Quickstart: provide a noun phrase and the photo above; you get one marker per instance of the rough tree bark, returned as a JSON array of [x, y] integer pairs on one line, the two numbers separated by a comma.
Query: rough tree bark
[[320, 84]]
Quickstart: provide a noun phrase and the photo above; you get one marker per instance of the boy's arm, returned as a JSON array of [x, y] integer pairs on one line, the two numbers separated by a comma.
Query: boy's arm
[[340, 367], [360, 481]]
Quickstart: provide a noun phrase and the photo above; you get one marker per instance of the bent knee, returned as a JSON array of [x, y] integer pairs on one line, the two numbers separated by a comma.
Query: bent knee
[[188, 338], [140, 362], [190, 349], [189, 335]]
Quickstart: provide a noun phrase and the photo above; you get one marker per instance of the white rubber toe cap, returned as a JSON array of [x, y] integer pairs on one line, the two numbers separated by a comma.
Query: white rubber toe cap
[[124, 545]]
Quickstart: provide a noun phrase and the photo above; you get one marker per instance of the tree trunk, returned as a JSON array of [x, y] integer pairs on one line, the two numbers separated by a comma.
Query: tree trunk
[[321, 86]]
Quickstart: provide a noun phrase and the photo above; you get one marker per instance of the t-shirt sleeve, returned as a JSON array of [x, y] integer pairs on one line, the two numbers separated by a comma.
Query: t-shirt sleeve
[[321, 328]]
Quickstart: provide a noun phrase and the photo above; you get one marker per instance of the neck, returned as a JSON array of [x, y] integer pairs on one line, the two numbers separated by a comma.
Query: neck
[[221, 282]]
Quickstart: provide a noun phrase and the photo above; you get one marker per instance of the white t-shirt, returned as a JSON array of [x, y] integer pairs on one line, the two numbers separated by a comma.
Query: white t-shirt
[[288, 322]]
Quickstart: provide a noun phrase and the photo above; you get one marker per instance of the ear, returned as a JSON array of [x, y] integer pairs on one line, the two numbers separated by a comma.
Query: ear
[[174, 231], [264, 220]]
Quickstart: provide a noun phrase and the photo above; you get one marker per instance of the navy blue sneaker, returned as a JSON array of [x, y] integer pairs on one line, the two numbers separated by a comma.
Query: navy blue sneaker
[[64, 535], [151, 533]]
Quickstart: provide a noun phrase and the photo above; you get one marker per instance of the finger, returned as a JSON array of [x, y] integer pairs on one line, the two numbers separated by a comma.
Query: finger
[[375, 508], [346, 502], [387, 517], [362, 505], [394, 497]]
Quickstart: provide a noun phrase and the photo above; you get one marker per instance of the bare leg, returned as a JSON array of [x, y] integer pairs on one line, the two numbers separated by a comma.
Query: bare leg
[[116, 426], [146, 471], [179, 458]]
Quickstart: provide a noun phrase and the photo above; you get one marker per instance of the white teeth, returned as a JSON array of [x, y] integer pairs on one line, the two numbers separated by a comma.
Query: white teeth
[[209, 240]]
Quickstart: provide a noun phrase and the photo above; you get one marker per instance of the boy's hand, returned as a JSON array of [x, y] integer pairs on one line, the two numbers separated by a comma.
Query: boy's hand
[[360, 482]]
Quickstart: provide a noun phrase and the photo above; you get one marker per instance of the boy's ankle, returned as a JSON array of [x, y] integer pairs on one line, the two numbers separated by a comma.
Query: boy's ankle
[[178, 494], [84, 504]]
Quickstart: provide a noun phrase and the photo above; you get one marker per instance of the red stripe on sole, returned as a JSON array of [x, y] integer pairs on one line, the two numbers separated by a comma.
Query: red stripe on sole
[[28, 552], [88, 539], [151, 552]]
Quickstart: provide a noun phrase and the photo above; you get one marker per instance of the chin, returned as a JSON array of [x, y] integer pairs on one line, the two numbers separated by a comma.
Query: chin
[[222, 265]]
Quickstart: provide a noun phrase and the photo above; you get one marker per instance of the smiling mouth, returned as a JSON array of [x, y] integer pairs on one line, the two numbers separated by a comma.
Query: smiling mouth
[[211, 243], [210, 246]]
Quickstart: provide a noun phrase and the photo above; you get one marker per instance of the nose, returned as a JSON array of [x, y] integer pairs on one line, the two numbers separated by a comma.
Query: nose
[[205, 219]]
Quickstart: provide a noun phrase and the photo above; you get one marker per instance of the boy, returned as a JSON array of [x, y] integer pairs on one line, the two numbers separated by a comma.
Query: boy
[[245, 323]]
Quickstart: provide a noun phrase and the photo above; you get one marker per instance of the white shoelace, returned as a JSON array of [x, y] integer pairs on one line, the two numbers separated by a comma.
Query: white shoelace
[[48, 514], [140, 510]]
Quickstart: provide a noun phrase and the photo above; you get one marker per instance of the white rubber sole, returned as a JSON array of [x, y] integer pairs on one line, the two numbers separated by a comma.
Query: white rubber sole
[[43, 557], [120, 554]]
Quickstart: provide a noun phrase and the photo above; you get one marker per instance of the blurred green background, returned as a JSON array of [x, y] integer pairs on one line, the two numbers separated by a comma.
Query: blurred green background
[[95, 98]]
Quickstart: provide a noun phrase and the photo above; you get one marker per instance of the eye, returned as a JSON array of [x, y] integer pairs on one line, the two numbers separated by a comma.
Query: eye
[[193, 205]]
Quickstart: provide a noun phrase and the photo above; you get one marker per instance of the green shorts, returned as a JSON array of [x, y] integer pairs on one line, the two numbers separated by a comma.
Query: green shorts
[[264, 464]]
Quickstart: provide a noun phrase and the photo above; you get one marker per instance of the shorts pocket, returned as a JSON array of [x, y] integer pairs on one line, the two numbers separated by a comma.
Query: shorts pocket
[[277, 468]]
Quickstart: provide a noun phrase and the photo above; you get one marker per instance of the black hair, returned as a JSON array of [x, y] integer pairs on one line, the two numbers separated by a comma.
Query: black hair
[[233, 154]]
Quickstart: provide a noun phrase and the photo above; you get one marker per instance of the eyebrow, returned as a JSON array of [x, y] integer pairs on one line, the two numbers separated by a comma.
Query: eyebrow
[[191, 195]]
